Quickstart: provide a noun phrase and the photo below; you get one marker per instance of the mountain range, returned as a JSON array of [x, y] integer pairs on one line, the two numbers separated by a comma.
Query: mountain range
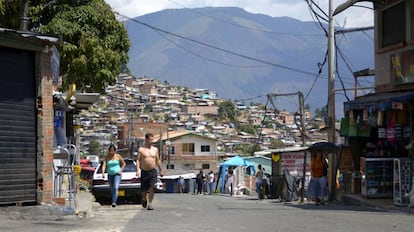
[[244, 56]]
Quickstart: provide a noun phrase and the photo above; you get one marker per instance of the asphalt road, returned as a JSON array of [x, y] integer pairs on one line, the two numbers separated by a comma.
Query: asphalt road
[[182, 213], [186, 212]]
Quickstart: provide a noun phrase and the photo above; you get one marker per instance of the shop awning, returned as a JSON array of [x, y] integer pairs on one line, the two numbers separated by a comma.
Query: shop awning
[[383, 101]]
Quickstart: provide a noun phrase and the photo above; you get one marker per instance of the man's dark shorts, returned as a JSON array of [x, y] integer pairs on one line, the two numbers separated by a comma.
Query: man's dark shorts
[[148, 179]]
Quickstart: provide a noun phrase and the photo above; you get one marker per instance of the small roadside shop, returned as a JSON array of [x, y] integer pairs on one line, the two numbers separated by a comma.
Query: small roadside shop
[[379, 132], [292, 159]]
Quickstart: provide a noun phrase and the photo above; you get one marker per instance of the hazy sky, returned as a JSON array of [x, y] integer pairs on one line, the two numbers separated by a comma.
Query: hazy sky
[[352, 17]]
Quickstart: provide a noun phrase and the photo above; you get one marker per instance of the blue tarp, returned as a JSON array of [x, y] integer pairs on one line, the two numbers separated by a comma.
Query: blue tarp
[[233, 162]]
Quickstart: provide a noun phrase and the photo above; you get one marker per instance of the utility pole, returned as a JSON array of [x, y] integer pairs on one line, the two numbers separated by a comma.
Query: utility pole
[[168, 148], [160, 149], [303, 134], [331, 76], [24, 16]]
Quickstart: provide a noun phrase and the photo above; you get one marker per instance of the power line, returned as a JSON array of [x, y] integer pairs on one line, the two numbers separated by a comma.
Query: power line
[[249, 99], [209, 59], [220, 49], [240, 25], [161, 32]]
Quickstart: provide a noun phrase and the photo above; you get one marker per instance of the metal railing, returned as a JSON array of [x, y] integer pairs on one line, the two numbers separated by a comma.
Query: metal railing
[[64, 180]]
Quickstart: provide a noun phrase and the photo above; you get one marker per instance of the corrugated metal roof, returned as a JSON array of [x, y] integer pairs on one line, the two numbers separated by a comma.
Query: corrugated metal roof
[[32, 35]]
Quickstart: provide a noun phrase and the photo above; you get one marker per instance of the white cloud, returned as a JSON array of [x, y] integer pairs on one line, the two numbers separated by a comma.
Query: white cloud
[[354, 16]]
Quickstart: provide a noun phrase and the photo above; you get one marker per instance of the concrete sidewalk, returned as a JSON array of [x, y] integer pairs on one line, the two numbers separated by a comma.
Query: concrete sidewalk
[[85, 204], [385, 204], [85, 208], [351, 199]]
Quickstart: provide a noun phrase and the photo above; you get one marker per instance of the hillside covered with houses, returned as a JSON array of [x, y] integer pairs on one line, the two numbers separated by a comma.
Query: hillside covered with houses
[[193, 127]]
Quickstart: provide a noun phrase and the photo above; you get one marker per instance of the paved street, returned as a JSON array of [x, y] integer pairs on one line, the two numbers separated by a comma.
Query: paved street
[[186, 212], [221, 213]]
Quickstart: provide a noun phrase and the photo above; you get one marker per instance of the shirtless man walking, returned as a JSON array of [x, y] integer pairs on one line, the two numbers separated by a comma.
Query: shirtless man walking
[[146, 161]]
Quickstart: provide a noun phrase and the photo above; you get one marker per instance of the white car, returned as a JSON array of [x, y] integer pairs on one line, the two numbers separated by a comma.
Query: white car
[[160, 186], [129, 189]]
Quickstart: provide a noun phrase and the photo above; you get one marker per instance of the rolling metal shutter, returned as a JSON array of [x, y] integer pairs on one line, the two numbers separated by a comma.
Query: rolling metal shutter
[[17, 126]]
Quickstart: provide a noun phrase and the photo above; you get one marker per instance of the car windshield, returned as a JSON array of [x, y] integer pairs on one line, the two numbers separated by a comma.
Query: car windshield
[[130, 167]]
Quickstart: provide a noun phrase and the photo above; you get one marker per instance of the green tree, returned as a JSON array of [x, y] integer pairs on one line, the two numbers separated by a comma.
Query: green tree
[[248, 128], [246, 149], [227, 111], [9, 13], [323, 112], [95, 44], [276, 143], [147, 108], [317, 112], [95, 148]]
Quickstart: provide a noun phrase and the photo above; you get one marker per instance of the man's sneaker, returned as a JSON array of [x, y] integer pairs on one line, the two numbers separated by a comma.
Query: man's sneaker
[[144, 203], [113, 205], [150, 207]]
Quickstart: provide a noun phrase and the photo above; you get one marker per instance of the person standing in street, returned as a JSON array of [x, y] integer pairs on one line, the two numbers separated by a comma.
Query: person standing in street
[[259, 182], [211, 182], [147, 160], [319, 185], [114, 164], [200, 181], [230, 180], [181, 184]]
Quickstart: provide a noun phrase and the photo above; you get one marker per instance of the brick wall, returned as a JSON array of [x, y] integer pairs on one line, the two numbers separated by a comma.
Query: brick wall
[[45, 131]]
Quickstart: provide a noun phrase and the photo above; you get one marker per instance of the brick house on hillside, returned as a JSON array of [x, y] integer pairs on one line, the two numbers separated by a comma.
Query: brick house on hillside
[[188, 151], [197, 110]]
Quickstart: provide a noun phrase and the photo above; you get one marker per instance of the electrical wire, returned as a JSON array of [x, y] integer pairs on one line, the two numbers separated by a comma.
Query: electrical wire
[[239, 25], [209, 59], [311, 3], [320, 65], [267, 63], [220, 49], [325, 16], [249, 99], [261, 126]]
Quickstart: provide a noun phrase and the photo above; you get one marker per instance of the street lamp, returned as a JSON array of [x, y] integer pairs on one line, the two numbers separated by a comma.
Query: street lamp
[[346, 5]]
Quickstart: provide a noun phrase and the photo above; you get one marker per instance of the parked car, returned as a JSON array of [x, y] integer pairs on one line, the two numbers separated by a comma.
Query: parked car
[[86, 174], [129, 189], [93, 159], [160, 186]]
